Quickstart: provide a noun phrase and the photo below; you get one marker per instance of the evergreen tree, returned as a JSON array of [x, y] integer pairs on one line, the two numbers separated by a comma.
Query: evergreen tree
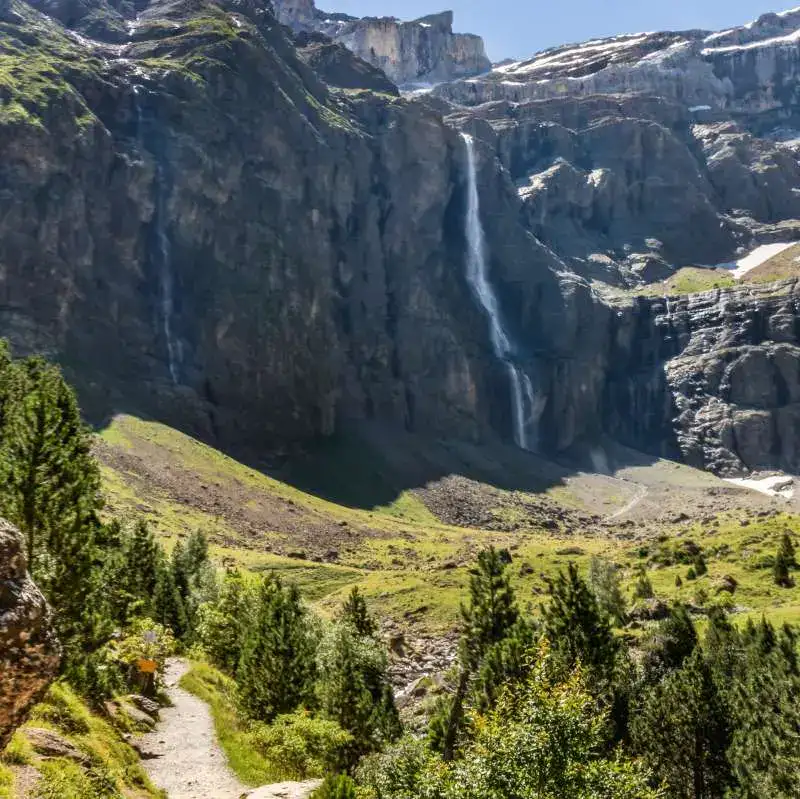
[[487, 619], [277, 666], [143, 557], [765, 743], [578, 631], [784, 562], [681, 731], [354, 690], [222, 624], [354, 612], [605, 584], [643, 588], [51, 491], [668, 646]]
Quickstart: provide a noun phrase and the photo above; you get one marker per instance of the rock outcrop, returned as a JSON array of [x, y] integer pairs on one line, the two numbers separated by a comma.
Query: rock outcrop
[[711, 379], [419, 51], [752, 69], [29, 651]]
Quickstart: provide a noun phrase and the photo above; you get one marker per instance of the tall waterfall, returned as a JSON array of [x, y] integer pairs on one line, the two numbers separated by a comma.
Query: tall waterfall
[[526, 407], [164, 253]]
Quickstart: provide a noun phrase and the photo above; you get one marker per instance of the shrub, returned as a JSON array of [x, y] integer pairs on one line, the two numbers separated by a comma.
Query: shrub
[[338, 787], [302, 747]]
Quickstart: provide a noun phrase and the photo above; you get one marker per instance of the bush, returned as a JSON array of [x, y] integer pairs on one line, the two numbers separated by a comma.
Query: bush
[[338, 787], [302, 747], [397, 772]]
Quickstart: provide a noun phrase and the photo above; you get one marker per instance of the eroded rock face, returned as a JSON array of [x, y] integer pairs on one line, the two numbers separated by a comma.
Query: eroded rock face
[[712, 379], [419, 51], [29, 651]]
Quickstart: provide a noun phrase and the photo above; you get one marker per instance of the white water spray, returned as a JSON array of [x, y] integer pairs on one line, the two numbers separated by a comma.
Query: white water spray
[[526, 407]]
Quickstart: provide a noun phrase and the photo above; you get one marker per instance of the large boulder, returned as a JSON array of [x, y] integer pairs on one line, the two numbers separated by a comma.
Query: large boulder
[[29, 650]]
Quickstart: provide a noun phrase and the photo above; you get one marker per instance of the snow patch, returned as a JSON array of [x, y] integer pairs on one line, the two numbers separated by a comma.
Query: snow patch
[[759, 256], [777, 41], [781, 486]]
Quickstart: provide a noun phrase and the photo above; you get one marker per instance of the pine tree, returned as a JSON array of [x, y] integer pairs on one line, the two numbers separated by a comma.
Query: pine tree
[[143, 557], [605, 584], [354, 612], [51, 490], [681, 731], [577, 629], [354, 690], [490, 615], [222, 624], [668, 646], [784, 562], [277, 667], [643, 588]]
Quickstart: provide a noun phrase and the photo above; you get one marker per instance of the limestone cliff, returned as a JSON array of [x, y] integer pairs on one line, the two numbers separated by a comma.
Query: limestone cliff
[[424, 50], [752, 69], [29, 651]]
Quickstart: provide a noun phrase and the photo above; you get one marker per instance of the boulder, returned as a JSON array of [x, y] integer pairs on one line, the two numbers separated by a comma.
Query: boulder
[[51, 744], [29, 651]]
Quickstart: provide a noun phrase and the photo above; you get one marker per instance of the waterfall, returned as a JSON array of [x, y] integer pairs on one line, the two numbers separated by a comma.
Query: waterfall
[[526, 407], [165, 278], [164, 252]]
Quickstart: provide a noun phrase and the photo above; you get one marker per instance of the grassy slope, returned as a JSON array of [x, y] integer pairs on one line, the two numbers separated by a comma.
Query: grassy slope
[[414, 568], [113, 769]]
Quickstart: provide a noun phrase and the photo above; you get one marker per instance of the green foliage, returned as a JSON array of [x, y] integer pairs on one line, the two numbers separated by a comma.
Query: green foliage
[[784, 562], [277, 667], [221, 625], [51, 492], [490, 615], [667, 646], [339, 786], [355, 614], [605, 583], [643, 588], [542, 740], [578, 630], [397, 772], [353, 689], [302, 746], [682, 731]]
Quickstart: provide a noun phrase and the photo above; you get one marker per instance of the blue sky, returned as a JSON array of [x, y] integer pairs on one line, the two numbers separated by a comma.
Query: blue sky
[[517, 28]]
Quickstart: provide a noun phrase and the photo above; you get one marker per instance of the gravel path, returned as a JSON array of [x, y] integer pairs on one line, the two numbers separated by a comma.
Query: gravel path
[[184, 757]]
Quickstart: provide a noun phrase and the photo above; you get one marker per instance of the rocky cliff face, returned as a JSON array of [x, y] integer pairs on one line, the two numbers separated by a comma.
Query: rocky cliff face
[[752, 69], [248, 236], [419, 51], [712, 379], [198, 228], [29, 651]]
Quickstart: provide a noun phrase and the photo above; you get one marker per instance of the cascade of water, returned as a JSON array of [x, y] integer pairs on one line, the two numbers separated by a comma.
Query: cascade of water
[[164, 260], [525, 406]]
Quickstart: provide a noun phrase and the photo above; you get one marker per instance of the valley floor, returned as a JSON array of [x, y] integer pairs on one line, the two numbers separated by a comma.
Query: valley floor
[[405, 519]]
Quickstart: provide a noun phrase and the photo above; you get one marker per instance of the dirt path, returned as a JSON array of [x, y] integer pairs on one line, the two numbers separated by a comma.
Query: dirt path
[[642, 492], [184, 756]]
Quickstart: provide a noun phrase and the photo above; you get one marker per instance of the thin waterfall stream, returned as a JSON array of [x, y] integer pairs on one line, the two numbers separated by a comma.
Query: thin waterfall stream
[[164, 253], [526, 407]]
